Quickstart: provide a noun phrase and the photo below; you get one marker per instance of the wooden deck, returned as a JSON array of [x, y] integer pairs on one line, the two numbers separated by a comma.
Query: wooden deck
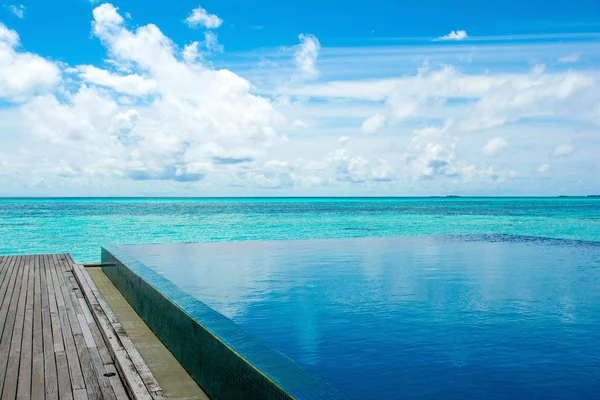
[[59, 339]]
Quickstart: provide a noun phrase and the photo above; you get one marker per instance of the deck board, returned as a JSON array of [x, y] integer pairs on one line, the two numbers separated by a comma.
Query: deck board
[[51, 346], [12, 370]]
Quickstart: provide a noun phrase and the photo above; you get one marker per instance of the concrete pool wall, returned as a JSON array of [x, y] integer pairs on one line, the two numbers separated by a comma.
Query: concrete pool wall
[[225, 360]]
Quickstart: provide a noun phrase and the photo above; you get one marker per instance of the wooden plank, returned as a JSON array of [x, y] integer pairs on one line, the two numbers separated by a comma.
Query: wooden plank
[[5, 262], [11, 313], [12, 372], [90, 378], [102, 349], [80, 394], [105, 381], [24, 386], [106, 390], [86, 311], [8, 288], [138, 386], [76, 375], [65, 391], [87, 333], [125, 366], [5, 273], [116, 383], [50, 373], [37, 369]]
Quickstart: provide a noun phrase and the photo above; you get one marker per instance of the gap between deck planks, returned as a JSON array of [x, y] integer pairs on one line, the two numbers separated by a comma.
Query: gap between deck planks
[[56, 340]]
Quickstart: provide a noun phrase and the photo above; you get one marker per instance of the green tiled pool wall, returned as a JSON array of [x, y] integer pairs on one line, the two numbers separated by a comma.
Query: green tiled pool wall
[[227, 361]]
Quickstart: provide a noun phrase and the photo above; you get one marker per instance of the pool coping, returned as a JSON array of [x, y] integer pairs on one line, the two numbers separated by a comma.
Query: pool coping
[[245, 362]]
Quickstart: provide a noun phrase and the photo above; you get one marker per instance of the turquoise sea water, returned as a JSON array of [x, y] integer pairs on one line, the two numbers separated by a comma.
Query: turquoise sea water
[[81, 226]]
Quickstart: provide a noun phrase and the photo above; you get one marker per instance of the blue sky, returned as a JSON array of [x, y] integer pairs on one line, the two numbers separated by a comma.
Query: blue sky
[[314, 98]]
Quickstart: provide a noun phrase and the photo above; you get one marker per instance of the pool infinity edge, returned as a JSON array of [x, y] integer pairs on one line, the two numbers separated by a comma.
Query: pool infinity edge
[[227, 361]]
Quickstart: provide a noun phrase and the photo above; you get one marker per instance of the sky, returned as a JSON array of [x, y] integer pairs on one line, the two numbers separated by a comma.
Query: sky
[[313, 98]]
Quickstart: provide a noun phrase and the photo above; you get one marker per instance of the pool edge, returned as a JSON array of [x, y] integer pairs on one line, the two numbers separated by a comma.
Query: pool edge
[[225, 360]]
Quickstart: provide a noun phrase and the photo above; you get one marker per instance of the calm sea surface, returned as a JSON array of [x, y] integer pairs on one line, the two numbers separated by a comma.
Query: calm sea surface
[[81, 226], [418, 310]]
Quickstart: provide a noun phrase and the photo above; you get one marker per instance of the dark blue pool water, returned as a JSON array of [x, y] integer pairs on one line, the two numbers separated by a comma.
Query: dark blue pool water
[[482, 317]]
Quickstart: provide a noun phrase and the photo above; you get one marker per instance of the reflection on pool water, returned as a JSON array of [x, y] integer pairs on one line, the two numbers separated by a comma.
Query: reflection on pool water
[[489, 317]]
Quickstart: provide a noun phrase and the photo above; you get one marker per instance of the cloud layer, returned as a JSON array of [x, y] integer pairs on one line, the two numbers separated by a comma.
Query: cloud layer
[[200, 17], [158, 118]]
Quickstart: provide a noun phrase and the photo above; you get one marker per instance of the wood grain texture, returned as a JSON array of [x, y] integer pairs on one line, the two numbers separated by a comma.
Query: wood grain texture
[[51, 346]]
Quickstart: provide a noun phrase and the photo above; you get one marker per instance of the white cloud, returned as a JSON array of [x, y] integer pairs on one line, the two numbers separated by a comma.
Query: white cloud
[[544, 168], [494, 147], [157, 117], [562, 150], [431, 156], [479, 101], [569, 59], [454, 35], [132, 84], [18, 10], [190, 52], [538, 69], [197, 118], [199, 16], [22, 74], [373, 124], [211, 42], [305, 57], [357, 169]]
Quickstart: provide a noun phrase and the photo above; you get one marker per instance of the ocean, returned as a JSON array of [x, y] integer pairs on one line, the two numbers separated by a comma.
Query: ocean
[[487, 298], [81, 226]]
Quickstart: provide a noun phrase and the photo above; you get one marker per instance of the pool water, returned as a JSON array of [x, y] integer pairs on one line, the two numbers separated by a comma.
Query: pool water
[[453, 317]]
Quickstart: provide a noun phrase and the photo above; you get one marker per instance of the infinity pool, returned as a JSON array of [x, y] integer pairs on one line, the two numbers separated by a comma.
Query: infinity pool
[[486, 317]]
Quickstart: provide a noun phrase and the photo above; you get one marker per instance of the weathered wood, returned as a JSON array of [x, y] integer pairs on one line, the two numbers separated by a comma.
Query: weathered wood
[[65, 390], [89, 376], [37, 370], [129, 360], [24, 384], [5, 269], [75, 371], [5, 274], [8, 289], [51, 343], [11, 313], [12, 372], [115, 381], [102, 349], [50, 373], [80, 394], [96, 360]]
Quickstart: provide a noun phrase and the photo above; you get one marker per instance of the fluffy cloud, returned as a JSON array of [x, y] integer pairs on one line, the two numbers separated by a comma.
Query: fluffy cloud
[[22, 74], [431, 155], [18, 10], [454, 35], [199, 16], [479, 101], [132, 84], [189, 117], [562, 150], [156, 117], [305, 57], [494, 147], [357, 169], [373, 124], [211, 42]]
